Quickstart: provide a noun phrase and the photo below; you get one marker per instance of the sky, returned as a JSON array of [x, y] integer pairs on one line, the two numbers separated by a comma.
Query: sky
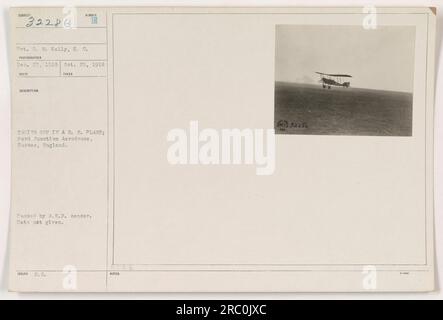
[[381, 58]]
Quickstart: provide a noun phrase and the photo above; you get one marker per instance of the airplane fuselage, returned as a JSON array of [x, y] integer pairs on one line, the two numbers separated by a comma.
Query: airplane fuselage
[[331, 82]]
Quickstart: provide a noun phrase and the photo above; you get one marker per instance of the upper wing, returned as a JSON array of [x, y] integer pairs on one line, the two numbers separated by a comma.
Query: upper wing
[[335, 75]]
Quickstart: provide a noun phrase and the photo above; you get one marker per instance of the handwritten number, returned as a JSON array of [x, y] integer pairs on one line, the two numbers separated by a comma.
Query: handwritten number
[[30, 21], [33, 22]]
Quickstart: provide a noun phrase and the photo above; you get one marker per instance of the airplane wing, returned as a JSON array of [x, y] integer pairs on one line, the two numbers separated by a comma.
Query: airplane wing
[[335, 75]]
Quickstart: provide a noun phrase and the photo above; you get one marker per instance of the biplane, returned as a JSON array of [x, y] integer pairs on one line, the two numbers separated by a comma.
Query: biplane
[[331, 80]]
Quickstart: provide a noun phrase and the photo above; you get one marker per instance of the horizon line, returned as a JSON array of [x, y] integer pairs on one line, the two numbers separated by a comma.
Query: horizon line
[[350, 87]]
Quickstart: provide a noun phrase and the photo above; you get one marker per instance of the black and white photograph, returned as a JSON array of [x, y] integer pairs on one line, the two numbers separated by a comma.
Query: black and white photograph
[[221, 159], [344, 80]]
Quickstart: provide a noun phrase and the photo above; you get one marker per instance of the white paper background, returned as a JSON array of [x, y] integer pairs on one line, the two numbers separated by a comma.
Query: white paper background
[[5, 148]]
